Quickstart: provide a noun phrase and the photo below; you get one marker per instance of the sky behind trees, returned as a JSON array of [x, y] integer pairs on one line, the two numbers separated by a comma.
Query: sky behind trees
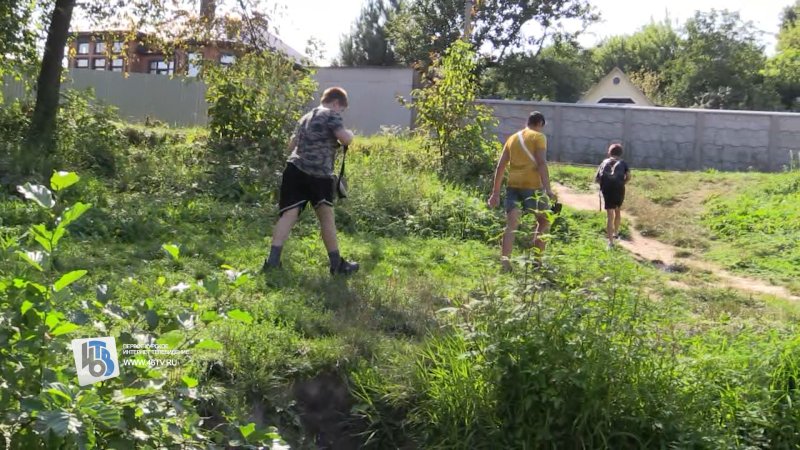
[[300, 20]]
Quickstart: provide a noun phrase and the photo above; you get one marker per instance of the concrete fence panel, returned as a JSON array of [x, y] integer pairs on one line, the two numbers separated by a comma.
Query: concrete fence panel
[[660, 138], [181, 101]]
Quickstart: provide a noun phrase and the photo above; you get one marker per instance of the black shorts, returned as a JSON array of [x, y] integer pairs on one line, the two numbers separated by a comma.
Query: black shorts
[[613, 196], [299, 188]]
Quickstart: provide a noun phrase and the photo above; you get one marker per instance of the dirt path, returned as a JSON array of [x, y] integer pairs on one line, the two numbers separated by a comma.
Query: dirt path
[[663, 255]]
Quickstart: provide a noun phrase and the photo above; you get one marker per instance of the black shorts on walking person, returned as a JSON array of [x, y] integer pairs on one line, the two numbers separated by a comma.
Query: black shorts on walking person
[[613, 196], [299, 188]]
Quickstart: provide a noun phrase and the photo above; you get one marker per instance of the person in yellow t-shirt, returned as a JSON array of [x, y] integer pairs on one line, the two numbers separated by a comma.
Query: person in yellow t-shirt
[[528, 184]]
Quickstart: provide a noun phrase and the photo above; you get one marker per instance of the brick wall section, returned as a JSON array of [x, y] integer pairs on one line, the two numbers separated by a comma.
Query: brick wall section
[[660, 138]]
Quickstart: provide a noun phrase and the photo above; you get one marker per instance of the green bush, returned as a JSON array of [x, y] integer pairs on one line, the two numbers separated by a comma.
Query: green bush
[[460, 131], [394, 193], [89, 139], [254, 106], [147, 405], [577, 357]]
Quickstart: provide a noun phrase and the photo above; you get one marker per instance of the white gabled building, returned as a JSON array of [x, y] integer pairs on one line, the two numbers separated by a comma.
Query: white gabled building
[[616, 89]]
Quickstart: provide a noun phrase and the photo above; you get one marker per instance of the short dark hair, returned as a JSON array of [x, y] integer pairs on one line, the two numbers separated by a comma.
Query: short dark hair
[[536, 118], [335, 94], [615, 150]]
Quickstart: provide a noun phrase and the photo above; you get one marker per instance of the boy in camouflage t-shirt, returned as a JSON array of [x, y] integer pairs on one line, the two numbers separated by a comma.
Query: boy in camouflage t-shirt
[[308, 177]]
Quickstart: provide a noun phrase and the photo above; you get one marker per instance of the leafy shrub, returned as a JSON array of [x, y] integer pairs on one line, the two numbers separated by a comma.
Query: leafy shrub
[[89, 138], [394, 194], [146, 406], [14, 122], [253, 108], [455, 127]]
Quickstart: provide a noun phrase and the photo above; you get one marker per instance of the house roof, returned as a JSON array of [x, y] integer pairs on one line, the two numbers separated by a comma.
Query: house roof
[[615, 85]]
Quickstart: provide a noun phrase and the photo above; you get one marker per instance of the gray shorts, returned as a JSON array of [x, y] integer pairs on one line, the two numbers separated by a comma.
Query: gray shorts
[[532, 200]]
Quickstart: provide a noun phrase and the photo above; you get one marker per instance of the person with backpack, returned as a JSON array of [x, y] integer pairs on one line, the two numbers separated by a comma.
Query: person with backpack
[[528, 185], [612, 175], [309, 178]]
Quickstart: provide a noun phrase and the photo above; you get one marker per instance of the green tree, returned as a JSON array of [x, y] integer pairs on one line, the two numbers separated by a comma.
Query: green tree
[[425, 28], [559, 73], [17, 39], [253, 108], [456, 127], [368, 42], [645, 56], [783, 70], [139, 14], [650, 49], [719, 65], [41, 133]]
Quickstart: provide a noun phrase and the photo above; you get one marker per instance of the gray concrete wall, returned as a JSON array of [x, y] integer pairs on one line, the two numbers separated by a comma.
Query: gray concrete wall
[[178, 101], [181, 101], [660, 138], [372, 94]]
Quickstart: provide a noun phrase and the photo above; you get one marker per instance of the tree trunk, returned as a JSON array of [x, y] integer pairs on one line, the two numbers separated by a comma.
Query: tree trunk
[[41, 135]]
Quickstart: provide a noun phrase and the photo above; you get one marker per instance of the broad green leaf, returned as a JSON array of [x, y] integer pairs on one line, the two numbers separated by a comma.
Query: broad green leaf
[[241, 316], [52, 320], [189, 381], [172, 339], [248, 429], [72, 214], [43, 236], [62, 180], [32, 258], [31, 404], [37, 193], [210, 316], [106, 415], [55, 393], [57, 235], [68, 279], [208, 344], [152, 319], [241, 280], [38, 287], [26, 305], [64, 328], [172, 250], [60, 422], [128, 394], [211, 285]]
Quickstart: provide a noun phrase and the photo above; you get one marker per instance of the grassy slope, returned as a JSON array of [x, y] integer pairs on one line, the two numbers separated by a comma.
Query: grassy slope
[[748, 222], [423, 246]]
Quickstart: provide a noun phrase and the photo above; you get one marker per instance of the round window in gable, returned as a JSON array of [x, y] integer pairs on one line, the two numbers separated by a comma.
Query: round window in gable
[[616, 80]]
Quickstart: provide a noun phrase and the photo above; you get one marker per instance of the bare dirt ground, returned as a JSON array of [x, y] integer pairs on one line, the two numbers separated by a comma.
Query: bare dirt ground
[[663, 255]]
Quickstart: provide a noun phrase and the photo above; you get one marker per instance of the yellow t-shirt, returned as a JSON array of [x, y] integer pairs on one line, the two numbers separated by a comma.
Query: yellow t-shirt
[[522, 171]]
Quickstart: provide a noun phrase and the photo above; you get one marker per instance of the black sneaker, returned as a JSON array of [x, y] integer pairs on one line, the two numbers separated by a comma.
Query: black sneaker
[[267, 268], [345, 267]]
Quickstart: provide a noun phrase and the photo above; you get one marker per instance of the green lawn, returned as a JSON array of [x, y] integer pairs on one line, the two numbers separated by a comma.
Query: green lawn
[[748, 222], [432, 346]]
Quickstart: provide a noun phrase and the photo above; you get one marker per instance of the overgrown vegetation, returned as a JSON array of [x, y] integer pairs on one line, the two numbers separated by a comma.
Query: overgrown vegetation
[[746, 221], [429, 346], [457, 128], [253, 108]]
